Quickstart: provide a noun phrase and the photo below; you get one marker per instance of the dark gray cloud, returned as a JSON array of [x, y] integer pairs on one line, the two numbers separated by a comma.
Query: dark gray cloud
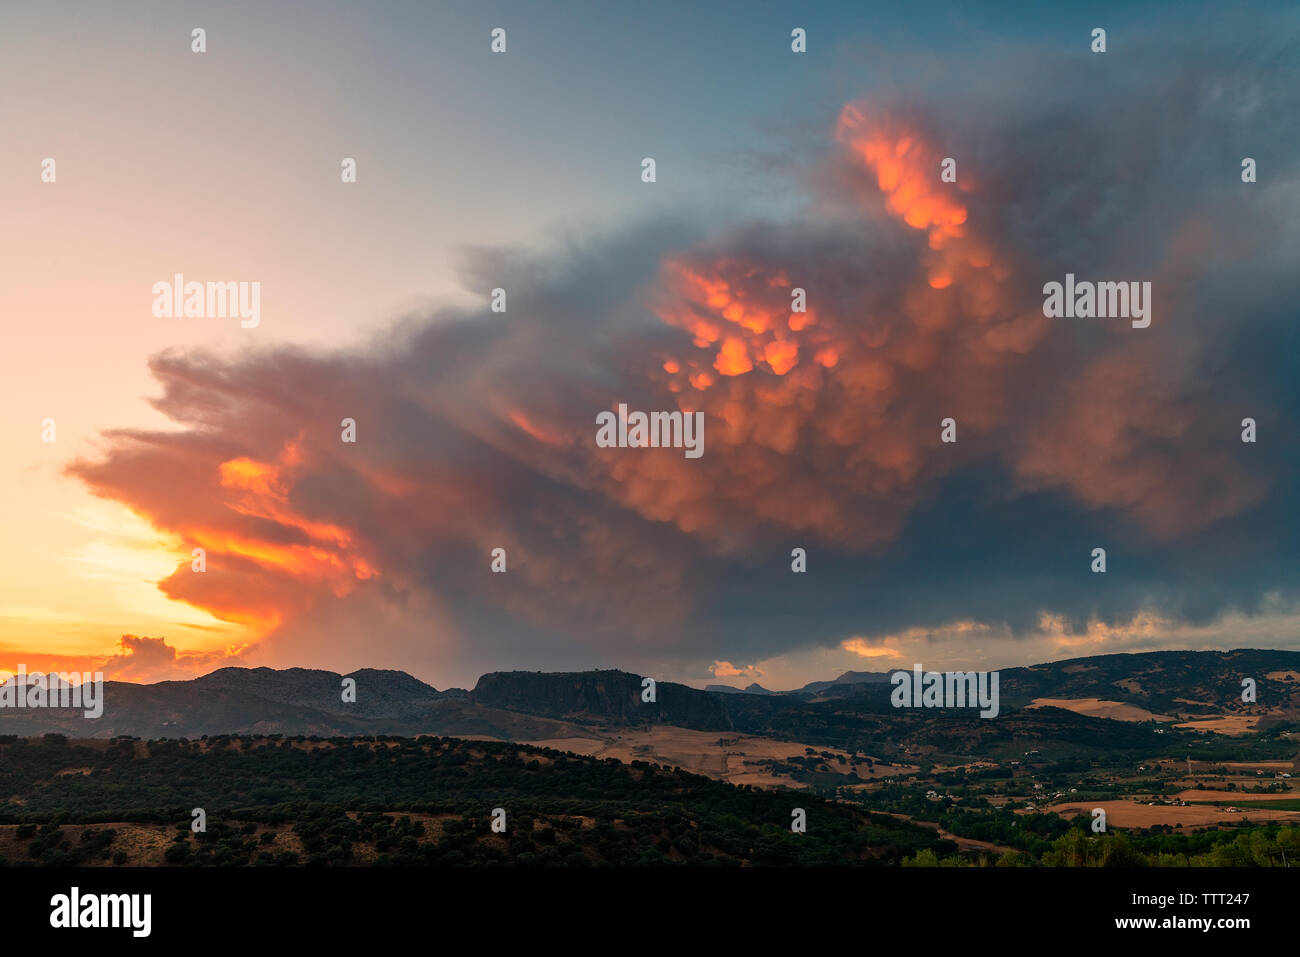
[[476, 430]]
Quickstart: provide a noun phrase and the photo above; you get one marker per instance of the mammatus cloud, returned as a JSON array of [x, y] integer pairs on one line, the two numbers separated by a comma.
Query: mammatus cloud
[[924, 302]]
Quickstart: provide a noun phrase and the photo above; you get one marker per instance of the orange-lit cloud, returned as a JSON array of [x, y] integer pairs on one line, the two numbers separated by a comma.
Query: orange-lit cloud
[[822, 431], [889, 646], [137, 658], [857, 383], [864, 649], [725, 669]]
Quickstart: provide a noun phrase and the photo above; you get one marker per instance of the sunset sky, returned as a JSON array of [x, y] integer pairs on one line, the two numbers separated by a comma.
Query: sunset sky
[[475, 430]]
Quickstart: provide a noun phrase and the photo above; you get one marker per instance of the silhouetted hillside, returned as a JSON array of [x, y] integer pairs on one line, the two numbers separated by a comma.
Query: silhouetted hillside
[[852, 712], [406, 802]]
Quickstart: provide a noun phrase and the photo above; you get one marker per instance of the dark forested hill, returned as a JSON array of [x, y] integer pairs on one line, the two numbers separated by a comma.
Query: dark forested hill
[[406, 801]]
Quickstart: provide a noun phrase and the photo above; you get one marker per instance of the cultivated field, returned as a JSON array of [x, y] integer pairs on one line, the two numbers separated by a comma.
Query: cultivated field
[[1225, 724], [723, 756], [1200, 794], [1137, 814], [1099, 708]]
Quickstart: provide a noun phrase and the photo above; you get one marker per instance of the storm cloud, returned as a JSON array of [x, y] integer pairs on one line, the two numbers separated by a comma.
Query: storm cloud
[[475, 430]]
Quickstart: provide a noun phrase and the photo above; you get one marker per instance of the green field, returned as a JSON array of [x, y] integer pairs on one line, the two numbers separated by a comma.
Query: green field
[[1289, 804]]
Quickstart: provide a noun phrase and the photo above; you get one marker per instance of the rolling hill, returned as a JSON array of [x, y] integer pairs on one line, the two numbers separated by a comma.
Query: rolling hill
[[852, 712]]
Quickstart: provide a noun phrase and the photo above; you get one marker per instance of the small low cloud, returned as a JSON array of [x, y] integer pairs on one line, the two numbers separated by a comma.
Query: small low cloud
[[725, 669], [865, 649], [147, 660]]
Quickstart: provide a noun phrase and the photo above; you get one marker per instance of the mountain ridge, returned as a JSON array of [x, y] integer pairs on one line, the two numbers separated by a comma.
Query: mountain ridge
[[527, 705]]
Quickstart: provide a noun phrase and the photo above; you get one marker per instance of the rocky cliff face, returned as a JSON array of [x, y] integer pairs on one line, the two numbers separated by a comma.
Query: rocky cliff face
[[615, 697]]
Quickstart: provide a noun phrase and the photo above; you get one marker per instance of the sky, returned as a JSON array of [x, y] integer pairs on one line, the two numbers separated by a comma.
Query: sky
[[476, 429]]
